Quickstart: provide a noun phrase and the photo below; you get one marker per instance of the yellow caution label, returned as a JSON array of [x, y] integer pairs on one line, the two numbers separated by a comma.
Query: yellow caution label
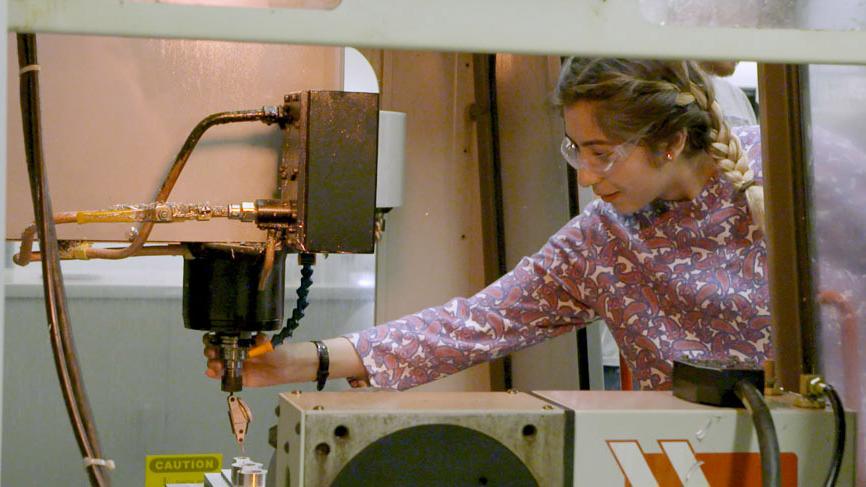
[[179, 469]]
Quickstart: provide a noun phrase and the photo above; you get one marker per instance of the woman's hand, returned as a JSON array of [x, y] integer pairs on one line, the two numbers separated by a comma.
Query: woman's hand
[[288, 363]]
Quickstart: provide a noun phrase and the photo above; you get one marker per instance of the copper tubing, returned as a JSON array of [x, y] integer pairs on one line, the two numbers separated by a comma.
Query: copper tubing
[[147, 251], [235, 248], [162, 195], [71, 384], [270, 250], [23, 256], [850, 344]]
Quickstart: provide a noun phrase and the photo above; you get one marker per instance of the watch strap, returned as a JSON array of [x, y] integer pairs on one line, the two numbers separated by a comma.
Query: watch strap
[[324, 364]]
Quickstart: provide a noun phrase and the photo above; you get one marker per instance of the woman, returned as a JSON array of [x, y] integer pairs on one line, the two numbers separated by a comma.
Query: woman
[[671, 257]]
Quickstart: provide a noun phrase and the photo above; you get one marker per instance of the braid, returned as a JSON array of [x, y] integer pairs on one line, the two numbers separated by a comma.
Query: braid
[[727, 150]]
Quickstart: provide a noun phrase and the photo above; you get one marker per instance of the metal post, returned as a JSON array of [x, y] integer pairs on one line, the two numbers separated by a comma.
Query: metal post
[[786, 184]]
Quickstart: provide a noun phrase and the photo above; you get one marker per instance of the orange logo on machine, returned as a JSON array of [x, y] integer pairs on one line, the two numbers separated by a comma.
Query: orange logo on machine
[[678, 465]]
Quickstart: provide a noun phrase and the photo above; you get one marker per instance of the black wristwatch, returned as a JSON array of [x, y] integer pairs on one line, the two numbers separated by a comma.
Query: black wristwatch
[[324, 364]]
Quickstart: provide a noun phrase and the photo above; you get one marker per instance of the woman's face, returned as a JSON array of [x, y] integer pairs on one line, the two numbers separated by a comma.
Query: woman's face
[[632, 182]]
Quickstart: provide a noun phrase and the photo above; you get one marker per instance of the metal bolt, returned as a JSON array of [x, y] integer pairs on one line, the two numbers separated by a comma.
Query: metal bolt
[[513, 391], [132, 233], [286, 447], [547, 407], [296, 392], [298, 428], [277, 411], [318, 408]]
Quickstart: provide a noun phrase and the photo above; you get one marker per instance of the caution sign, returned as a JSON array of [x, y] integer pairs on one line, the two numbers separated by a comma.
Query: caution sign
[[179, 469]]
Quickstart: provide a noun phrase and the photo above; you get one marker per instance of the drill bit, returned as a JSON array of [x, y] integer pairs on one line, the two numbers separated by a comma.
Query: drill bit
[[240, 416]]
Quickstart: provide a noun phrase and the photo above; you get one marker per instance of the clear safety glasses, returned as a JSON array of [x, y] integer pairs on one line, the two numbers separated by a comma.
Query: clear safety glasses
[[600, 163]]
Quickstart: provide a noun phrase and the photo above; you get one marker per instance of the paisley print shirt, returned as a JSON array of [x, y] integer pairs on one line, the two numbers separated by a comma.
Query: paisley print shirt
[[676, 278]]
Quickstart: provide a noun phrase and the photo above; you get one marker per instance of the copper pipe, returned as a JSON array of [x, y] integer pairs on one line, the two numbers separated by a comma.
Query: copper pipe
[[850, 344], [23, 258], [175, 249], [162, 195], [239, 248], [270, 250], [152, 250], [65, 361]]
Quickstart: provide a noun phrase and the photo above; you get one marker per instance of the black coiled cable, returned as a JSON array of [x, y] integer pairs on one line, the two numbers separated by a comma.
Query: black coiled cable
[[839, 447], [303, 290]]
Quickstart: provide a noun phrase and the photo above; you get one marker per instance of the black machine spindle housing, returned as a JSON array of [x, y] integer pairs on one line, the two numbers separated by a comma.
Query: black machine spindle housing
[[221, 292], [221, 295]]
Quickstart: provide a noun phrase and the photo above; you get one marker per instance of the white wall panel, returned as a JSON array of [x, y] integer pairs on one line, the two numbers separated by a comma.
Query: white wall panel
[[431, 250]]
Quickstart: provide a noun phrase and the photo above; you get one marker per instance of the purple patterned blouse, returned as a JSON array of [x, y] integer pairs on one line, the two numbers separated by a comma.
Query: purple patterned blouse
[[677, 278]]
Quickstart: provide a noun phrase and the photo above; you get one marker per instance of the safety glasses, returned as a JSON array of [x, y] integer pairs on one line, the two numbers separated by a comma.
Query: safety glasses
[[600, 163]]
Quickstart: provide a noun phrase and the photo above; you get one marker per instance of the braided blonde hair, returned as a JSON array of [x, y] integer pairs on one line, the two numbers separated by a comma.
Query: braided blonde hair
[[655, 100]]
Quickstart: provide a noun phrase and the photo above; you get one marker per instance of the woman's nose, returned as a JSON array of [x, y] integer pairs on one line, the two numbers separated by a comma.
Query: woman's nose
[[587, 178]]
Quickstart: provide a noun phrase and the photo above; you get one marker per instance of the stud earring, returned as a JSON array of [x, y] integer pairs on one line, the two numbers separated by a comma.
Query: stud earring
[[669, 156]]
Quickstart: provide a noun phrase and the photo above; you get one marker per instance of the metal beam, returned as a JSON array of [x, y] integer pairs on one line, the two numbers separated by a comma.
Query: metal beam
[[555, 27]]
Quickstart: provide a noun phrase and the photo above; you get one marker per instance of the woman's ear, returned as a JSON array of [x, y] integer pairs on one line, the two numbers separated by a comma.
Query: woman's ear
[[672, 149]]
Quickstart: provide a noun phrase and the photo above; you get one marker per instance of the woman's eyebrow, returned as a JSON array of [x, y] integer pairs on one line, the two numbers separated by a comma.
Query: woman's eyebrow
[[589, 143]]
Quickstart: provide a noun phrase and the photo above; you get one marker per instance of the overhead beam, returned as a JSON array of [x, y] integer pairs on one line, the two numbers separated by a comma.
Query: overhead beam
[[553, 27]]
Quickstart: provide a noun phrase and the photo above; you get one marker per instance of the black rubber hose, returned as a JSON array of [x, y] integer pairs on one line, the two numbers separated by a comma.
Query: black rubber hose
[[295, 320], [766, 429], [65, 361], [839, 446]]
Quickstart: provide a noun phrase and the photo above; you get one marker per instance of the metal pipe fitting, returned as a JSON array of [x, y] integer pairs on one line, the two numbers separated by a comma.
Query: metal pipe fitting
[[245, 211]]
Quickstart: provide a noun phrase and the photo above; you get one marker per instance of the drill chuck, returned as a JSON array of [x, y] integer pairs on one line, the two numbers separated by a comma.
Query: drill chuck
[[233, 352]]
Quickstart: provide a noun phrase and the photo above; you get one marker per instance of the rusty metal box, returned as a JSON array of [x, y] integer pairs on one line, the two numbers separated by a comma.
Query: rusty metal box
[[336, 154]]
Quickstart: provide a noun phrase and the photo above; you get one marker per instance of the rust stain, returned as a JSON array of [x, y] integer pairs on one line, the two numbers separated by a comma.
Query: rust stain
[[29, 13]]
